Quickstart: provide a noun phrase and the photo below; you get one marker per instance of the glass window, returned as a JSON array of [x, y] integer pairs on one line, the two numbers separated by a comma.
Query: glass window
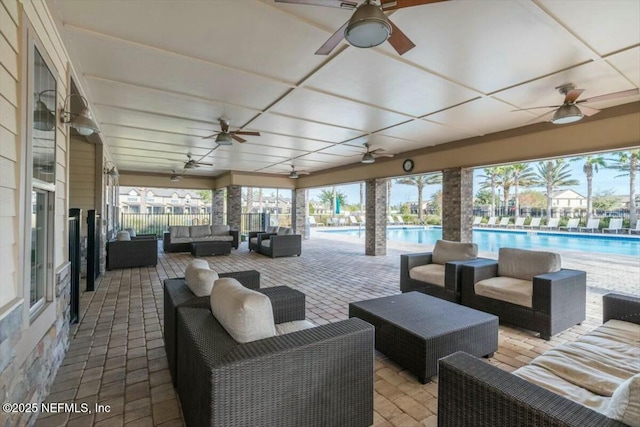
[[44, 121], [39, 224]]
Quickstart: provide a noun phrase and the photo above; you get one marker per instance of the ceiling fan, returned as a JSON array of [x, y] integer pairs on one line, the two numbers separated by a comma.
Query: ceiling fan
[[174, 176], [224, 137], [569, 111], [368, 26], [192, 164], [371, 155], [296, 174]]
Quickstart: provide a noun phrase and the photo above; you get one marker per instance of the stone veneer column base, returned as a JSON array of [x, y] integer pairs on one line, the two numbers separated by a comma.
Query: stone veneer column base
[[301, 211], [30, 380], [218, 206], [376, 217], [457, 205]]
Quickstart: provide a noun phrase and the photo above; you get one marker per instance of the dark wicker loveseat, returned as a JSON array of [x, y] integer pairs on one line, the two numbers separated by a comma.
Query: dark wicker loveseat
[[195, 234], [558, 299], [473, 393], [140, 251], [276, 244]]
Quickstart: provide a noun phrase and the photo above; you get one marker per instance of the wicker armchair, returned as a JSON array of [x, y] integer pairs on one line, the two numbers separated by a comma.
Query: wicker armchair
[[437, 273], [137, 252], [316, 377], [557, 300], [473, 393]]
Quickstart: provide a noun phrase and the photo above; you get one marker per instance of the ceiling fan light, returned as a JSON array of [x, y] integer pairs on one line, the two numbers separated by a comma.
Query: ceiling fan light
[[224, 139], [368, 158], [294, 175], [568, 113], [368, 27], [174, 178]]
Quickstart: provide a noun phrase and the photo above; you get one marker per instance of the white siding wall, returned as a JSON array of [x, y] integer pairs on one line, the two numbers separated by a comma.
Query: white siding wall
[[82, 179]]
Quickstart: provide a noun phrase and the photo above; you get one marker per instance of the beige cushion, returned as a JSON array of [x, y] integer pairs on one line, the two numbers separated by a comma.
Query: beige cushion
[[200, 278], [266, 242], [123, 236], [508, 289], [283, 231], [220, 229], [199, 231], [179, 231], [624, 405], [253, 240], [524, 264], [244, 313], [430, 273], [294, 326], [272, 229], [446, 251], [181, 240], [132, 232]]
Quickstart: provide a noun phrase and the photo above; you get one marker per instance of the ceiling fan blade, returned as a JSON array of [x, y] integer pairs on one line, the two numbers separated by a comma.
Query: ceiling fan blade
[[399, 4], [203, 164], [211, 136], [333, 41], [615, 95], [383, 155], [330, 3], [536, 108], [573, 95], [588, 111], [542, 117], [237, 138], [376, 150], [242, 132], [399, 40]]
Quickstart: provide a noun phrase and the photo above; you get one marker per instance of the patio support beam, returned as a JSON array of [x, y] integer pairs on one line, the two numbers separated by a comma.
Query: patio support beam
[[376, 217], [234, 206], [300, 211], [457, 204], [217, 204]]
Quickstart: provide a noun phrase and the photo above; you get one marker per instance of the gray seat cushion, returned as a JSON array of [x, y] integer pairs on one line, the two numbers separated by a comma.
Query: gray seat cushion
[[524, 264], [446, 251]]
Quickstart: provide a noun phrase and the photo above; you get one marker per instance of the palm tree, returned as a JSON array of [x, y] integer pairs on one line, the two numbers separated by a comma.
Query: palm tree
[[420, 181], [491, 176], [552, 174], [329, 197], [627, 163], [505, 180], [249, 199], [590, 166], [522, 175]]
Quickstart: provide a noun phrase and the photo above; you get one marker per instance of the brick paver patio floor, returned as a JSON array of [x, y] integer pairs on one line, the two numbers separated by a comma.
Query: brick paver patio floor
[[116, 355]]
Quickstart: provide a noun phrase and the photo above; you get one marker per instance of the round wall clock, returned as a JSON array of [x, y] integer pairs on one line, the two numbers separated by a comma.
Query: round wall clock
[[407, 165]]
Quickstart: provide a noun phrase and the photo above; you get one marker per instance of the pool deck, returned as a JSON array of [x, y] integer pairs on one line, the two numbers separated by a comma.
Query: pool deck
[[116, 355]]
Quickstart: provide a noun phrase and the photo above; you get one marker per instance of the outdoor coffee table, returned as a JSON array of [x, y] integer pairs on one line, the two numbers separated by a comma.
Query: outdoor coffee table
[[210, 248], [415, 330]]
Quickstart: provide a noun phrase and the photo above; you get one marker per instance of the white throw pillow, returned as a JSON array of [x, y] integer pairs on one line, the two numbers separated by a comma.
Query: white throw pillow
[[200, 278], [132, 232], [245, 314], [624, 405], [123, 236]]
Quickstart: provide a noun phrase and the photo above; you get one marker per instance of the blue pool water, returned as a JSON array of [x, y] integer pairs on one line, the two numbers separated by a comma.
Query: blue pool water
[[492, 240]]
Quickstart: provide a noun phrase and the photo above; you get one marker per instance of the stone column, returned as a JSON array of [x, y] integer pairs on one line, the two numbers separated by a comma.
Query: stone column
[[457, 204], [234, 206], [376, 217], [300, 211], [217, 204]]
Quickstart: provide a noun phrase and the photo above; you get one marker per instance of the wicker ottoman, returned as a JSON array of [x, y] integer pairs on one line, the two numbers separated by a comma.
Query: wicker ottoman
[[210, 248], [415, 330]]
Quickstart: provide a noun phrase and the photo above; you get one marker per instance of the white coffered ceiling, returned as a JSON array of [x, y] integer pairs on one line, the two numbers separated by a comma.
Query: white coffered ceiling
[[159, 74]]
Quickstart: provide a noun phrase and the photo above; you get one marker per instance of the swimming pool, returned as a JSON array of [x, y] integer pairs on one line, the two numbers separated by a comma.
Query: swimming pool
[[492, 240]]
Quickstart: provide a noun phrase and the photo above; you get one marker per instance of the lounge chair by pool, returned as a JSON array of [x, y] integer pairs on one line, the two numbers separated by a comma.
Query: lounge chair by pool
[[491, 223], [553, 223], [504, 221], [573, 223], [399, 220], [593, 225], [390, 220], [634, 230], [476, 221], [615, 225], [535, 223], [518, 224]]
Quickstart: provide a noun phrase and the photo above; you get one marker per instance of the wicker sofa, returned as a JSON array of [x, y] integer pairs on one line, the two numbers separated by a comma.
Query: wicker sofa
[[474, 393], [437, 273], [281, 242], [527, 289], [318, 376], [140, 251], [180, 237]]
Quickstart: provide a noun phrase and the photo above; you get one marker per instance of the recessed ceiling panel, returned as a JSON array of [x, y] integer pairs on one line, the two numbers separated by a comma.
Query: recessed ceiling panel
[[484, 115], [426, 133], [385, 81], [605, 25], [249, 35], [134, 64], [276, 123], [312, 105], [628, 63], [282, 141], [258, 148], [486, 45]]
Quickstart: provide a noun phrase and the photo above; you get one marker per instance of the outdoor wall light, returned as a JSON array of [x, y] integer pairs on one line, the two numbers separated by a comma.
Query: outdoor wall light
[[82, 122], [43, 118], [110, 170]]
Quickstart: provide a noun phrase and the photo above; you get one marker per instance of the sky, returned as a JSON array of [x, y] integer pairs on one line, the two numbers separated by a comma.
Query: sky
[[604, 179]]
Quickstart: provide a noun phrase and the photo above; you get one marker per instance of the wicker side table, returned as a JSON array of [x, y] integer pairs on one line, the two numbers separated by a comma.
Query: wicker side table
[[415, 330], [210, 248]]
